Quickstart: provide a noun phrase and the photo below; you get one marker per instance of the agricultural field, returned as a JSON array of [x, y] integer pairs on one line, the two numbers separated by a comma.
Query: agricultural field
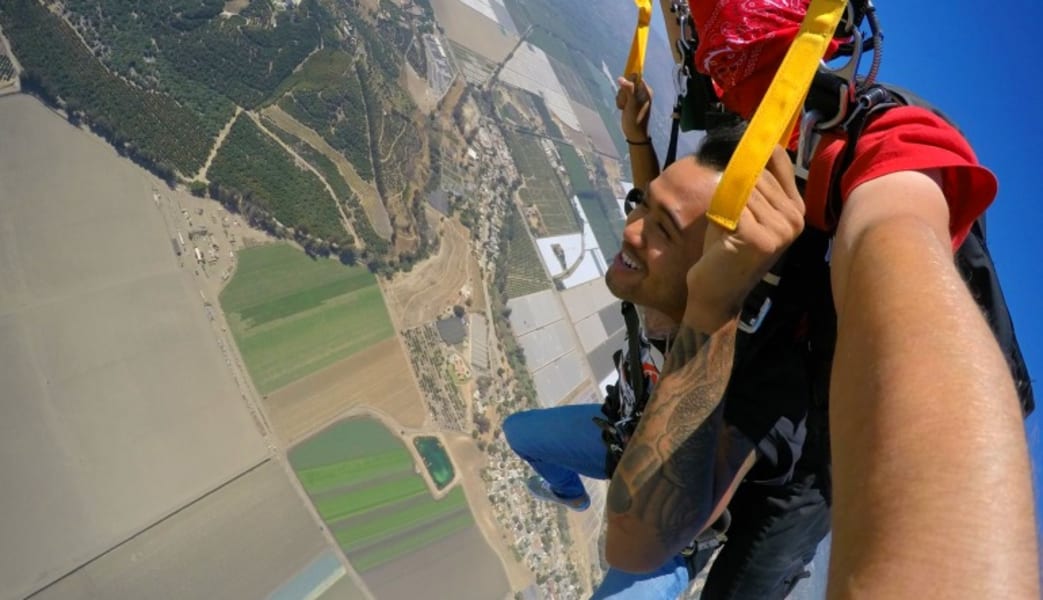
[[363, 484], [292, 315], [377, 379], [525, 273], [577, 171], [602, 92], [250, 162], [473, 30], [242, 58], [575, 87], [6, 68], [151, 128], [542, 186], [475, 68], [126, 409], [605, 221], [360, 110], [325, 95]]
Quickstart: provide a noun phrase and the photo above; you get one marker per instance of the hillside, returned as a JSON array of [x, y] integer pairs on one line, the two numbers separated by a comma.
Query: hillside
[[162, 81]]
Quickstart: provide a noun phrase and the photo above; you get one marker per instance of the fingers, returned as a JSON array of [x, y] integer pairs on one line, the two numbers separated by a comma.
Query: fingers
[[626, 90], [779, 186], [774, 214], [781, 167]]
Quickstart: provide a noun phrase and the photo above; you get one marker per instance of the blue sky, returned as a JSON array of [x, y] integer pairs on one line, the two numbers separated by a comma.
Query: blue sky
[[979, 67]]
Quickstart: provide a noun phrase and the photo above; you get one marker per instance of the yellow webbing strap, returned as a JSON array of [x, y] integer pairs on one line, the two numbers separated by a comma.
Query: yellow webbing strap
[[636, 59], [778, 112]]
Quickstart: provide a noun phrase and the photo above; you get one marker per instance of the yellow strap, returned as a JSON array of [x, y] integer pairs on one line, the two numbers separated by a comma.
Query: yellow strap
[[636, 59], [778, 112]]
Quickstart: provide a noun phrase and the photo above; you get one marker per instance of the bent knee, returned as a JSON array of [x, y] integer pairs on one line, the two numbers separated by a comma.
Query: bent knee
[[516, 427]]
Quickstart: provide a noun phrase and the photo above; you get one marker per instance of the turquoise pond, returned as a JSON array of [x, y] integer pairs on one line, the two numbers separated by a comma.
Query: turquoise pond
[[435, 459]]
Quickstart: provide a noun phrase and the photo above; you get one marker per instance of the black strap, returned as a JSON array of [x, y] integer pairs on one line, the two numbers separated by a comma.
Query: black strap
[[868, 102], [634, 361], [675, 128]]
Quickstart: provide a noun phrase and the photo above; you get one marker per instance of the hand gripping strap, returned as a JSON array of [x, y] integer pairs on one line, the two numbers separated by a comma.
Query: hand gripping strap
[[777, 113], [636, 59]]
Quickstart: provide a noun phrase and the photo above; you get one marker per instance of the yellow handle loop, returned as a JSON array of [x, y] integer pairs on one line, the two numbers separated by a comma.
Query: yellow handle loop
[[778, 112], [636, 59]]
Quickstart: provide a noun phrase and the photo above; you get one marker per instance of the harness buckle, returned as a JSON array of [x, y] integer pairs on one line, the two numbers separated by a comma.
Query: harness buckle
[[806, 143], [757, 305], [680, 82]]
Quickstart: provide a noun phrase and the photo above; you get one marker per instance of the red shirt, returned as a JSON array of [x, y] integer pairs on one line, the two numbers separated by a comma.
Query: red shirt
[[906, 138]]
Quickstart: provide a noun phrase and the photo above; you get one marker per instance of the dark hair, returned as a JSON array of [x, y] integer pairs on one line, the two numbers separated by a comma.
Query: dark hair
[[719, 144]]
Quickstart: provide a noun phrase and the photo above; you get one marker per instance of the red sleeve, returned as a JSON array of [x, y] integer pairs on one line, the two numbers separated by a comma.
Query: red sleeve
[[907, 138]]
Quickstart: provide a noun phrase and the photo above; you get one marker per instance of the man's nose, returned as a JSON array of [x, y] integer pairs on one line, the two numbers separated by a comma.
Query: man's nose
[[633, 232]]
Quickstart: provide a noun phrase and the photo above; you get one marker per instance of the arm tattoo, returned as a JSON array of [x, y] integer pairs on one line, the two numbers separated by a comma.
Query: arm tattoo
[[665, 477]]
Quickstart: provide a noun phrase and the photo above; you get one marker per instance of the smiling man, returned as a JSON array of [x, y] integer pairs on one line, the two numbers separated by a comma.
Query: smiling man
[[779, 513]]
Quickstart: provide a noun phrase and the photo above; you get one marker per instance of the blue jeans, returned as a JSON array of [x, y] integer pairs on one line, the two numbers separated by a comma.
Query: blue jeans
[[563, 443], [774, 532]]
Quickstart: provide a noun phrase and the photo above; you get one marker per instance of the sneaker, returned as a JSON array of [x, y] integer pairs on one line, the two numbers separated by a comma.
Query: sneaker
[[541, 490]]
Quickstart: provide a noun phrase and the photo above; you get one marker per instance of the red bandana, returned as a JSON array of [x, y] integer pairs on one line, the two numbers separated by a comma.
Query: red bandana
[[742, 43]]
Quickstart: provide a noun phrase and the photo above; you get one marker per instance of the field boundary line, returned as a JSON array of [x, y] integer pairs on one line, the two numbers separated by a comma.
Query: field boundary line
[[248, 470]]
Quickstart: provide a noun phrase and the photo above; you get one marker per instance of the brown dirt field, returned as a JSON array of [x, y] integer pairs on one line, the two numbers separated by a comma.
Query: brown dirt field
[[366, 191], [614, 171], [377, 378], [450, 100], [467, 458], [234, 6], [416, 84], [421, 295], [458, 567], [472, 30], [596, 128]]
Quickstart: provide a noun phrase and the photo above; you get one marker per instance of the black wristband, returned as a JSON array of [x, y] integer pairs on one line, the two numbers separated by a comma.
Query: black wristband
[[647, 142]]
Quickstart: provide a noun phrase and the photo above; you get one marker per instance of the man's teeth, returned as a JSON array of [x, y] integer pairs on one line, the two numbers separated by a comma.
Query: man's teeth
[[628, 261]]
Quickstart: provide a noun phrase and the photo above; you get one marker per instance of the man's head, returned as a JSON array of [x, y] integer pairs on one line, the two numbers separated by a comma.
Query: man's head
[[664, 234]]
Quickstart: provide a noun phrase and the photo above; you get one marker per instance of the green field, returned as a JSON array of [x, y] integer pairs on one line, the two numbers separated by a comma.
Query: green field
[[355, 471], [347, 440], [363, 484], [576, 169], [365, 530], [524, 272], [542, 186], [605, 221], [292, 315]]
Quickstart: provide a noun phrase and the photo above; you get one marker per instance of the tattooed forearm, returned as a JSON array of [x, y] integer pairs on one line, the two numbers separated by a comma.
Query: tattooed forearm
[[665, 477]]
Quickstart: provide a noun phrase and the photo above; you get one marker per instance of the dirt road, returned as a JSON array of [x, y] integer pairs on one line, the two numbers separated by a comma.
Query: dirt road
[[366, 191]]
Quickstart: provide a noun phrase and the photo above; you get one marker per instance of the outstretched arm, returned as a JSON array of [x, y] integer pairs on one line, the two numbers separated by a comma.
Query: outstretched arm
[[931, 473]]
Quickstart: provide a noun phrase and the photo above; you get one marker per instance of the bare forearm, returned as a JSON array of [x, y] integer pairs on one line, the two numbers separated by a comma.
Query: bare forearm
[[644, 163], [662, 493], [931, 472]]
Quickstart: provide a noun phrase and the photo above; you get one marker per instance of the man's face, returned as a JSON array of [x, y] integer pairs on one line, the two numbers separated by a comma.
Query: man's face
[[663, 238]]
